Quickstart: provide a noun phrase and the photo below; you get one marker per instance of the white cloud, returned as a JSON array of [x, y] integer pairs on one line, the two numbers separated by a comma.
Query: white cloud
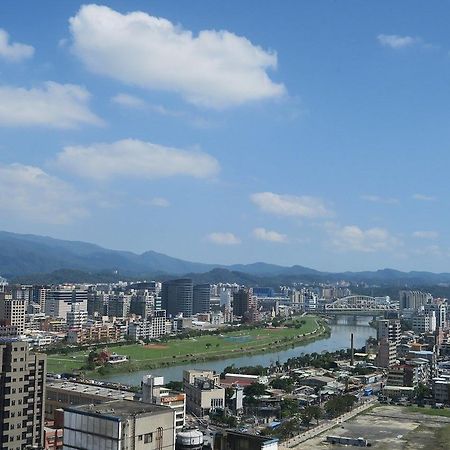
[[379, 199], [426, 234], [54, 105], [397, 42], [137, 159], [353, 238], [268, 235], [129, 101], [13, 51], [221, 238], [160, 202], [214, 68], [290, 205], [29, 193], [424, 198]]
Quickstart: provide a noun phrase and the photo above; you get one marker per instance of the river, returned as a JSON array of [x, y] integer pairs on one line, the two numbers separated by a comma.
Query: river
[[338, 339]]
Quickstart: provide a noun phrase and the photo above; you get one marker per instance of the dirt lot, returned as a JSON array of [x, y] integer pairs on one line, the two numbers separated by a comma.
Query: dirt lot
[[390, 428]]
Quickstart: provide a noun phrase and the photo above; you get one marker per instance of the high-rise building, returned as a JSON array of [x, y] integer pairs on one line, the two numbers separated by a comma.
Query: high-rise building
[[152, 327], [142, 304], [12, 315], [387, 353], [40, 296], [119, 425], [202, 298], [440, 311], [76, 317], [22, 387], [242, 301], [60, 299], [424, 322], [119, 305], [414, 299], [97, 303], [389, 329], [177, 297]]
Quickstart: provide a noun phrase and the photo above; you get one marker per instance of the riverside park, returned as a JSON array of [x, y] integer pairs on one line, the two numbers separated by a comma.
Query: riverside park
[[194, 349]]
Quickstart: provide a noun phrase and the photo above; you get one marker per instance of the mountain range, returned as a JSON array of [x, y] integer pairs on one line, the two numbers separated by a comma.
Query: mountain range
[[32, 257]]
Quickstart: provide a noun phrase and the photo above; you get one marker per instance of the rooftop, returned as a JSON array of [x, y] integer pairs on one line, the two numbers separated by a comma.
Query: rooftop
[[90, 389], [120, 409]]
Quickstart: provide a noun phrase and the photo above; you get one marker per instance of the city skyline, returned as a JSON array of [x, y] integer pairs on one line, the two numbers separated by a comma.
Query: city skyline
[[314, 134]]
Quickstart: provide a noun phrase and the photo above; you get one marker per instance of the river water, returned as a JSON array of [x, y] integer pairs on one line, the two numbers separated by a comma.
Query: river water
[[338, 339]]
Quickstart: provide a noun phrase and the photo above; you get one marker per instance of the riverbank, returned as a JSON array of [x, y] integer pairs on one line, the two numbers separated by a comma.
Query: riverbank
[[199, 349], [337, 339]]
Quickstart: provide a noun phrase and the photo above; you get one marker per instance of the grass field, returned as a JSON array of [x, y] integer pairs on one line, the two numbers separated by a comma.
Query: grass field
[[199, 348], [445, 412]]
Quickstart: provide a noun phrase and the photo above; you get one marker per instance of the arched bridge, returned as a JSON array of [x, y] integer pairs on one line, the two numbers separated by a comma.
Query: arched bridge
[[360, 305]]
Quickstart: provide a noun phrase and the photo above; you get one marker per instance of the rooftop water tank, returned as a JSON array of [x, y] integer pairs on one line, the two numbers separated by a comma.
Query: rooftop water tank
[[189, 440]]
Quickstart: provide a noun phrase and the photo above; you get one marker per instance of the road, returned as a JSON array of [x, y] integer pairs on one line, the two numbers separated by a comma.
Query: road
[[326, 425]]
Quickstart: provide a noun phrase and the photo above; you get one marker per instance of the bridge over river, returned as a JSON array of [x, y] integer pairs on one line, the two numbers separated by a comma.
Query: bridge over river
[[361, 305]]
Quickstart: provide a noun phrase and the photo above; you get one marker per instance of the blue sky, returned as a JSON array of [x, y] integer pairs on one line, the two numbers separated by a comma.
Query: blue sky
[[307, 132]]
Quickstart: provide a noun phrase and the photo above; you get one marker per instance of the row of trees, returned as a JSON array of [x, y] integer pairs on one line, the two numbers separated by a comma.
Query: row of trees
[[325, 360]]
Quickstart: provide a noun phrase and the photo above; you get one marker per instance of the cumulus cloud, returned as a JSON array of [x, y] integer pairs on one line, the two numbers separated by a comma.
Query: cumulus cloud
[[223, 238], [268, 235], [425, 234], [424, 198], [54, 105], [213, 69], [290, 205], [135, 158], [379, 199], [129, 101], [29, 193], [13, 51], [353, 238], [397, 42]]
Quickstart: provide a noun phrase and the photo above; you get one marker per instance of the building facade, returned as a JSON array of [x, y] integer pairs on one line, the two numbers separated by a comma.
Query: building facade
[[22, 398], [119, 425], [12, 315], [201, 298], [203, 392], [177, 297], [59, 300]]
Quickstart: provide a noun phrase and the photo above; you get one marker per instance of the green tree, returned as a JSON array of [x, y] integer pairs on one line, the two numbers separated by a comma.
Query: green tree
[[315, 412], [175, 386], [339, 405], [289, 407], [283, 383], [255, 389], [421, 391]]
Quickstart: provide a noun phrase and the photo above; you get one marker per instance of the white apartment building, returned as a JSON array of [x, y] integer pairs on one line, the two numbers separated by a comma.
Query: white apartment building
[[424, 323], [151, 328], [77, 317]]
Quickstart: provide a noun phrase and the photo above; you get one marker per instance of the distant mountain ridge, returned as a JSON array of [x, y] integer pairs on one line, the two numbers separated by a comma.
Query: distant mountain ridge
[[26, 254]]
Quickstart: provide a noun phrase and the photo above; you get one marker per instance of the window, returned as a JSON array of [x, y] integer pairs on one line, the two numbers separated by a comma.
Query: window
[[148, 437]]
